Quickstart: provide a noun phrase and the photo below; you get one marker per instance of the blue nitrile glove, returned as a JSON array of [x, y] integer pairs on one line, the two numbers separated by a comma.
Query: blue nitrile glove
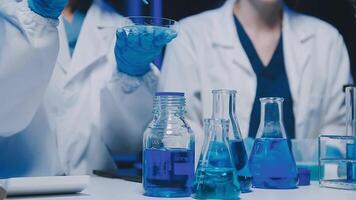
[[48, 8], [137, 46]]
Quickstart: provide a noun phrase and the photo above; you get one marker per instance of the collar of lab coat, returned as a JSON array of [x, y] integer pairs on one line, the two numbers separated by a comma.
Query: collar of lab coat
[[94, 42], [296, 34]]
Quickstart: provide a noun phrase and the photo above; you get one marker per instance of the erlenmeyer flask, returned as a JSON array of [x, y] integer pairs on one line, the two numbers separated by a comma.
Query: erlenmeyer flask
[[215, 177], [271, 162], [224, 106]]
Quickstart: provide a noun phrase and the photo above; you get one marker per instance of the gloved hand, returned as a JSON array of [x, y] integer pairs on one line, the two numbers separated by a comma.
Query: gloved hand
[[137, 46], [48, 8]]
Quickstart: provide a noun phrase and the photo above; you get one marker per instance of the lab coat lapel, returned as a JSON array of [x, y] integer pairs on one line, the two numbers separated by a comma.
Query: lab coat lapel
[[226, 38], [94, 42], [297, 54]]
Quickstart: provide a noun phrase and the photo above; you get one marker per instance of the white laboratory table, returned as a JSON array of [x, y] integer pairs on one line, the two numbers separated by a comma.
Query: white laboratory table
[[115, 189]]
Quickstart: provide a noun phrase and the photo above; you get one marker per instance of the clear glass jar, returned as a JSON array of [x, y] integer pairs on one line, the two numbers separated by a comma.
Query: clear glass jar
[[224, 107], [168, 149], [271, 162]]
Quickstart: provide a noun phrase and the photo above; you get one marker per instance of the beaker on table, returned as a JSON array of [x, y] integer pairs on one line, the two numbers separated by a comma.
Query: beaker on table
[[271, 162], [224, 107], [215, 177]]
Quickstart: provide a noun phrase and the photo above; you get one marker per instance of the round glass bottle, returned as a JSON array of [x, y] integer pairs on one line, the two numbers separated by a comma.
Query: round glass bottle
[[168, 149]]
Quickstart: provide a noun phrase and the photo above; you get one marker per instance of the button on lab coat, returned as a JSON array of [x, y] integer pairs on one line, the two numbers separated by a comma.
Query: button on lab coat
[[208, 55], [88, 111]]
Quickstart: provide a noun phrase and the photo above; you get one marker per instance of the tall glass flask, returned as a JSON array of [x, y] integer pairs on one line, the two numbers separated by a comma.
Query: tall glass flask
[[350, 110], [168, 149], [215, 177], [351, 131], [224, 107], [271, 162]]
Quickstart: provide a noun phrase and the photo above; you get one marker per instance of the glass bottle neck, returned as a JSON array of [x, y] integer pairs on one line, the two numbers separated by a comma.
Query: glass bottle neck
[[216, 130], [223, 104], [169, 106], [272, 118]]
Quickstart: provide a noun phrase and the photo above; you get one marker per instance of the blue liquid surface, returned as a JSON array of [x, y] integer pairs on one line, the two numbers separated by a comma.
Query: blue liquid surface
[[272, 164], [168, 173], [240, 160], [216, 177]]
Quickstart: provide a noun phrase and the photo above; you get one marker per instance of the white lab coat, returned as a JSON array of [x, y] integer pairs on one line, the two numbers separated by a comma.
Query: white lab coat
[[207, 55], [28, 45], [89, 110]]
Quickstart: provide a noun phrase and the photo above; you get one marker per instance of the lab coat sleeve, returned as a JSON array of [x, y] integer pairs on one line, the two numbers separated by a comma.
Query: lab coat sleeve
[[28, 51], [334, 101], [126, 110], [180, 74]]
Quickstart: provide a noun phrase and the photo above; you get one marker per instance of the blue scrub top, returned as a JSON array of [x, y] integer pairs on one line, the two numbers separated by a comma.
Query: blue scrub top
[[272, 81], [73, 29]]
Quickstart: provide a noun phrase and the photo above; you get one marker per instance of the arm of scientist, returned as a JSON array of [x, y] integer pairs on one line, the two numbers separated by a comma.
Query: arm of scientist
[[339, 74], [28, 52], [127, 100]]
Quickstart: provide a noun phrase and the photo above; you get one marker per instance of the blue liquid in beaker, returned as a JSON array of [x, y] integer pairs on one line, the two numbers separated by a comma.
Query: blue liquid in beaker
[[216, 183], [240, 160], [272, 164], [215, 177], [168, 173]]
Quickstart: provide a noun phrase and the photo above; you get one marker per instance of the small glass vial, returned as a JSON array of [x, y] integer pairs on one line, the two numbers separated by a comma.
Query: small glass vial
[[168, 149], [271, 162], [224, 107]]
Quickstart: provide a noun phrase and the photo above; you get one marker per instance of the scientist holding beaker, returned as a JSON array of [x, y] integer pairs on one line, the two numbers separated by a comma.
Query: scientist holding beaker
[[90, 108], [261, 48]]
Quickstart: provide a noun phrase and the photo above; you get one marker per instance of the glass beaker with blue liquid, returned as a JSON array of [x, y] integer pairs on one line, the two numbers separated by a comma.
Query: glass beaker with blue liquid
[[224, 107], [271, 162], [168, 149], [215, 177]]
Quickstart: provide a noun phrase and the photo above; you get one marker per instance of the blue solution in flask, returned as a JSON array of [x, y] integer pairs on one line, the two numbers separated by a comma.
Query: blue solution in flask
[[272, 165], [271, 162], [215, 177], [168, 149], [224, 107], [240, 160]]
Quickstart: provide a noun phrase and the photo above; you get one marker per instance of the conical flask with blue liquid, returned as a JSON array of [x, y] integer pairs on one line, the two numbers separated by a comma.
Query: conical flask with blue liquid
[[271, 161], [224, 107], [215, 177]]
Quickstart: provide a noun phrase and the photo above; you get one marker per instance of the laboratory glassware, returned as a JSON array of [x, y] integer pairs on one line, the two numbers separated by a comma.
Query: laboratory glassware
[[135, 23], [168, 149], [271, 162], [224, 107], [340, 151], [215, 177], [305, 152], [337, 161]]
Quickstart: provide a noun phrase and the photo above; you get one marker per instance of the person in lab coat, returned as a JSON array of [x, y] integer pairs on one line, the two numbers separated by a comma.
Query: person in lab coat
[[261, 48], [28, 45], [90, 109]]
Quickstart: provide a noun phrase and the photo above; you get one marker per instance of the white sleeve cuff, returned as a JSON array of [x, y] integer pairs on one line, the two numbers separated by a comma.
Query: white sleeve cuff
[[19, 13], [130, 83]]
